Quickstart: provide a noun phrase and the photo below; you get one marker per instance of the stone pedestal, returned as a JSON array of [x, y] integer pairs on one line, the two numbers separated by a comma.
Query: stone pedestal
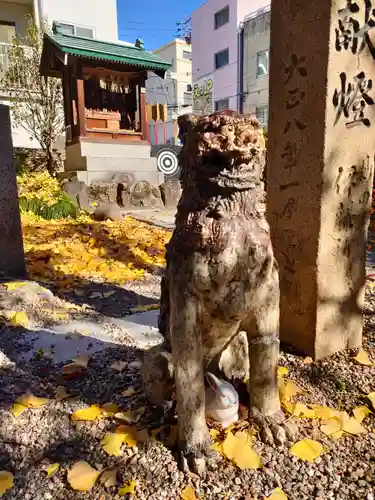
[[320, 167], [12, 261]]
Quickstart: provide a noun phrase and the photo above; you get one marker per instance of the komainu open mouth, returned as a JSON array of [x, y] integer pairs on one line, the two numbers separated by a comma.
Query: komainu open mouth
[[225, 148]]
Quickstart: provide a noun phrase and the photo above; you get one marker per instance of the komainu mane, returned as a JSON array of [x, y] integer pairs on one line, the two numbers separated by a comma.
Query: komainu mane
[[220, 291]]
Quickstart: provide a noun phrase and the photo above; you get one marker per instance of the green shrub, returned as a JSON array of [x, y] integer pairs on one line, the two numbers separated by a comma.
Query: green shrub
[[63, 208]]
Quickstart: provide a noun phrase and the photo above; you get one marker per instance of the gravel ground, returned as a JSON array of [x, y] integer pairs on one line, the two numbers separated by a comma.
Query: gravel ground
[[39, 437]]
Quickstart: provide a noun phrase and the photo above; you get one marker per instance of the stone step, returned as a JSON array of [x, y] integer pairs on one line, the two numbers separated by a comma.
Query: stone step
[[113, 150], [117, 164]]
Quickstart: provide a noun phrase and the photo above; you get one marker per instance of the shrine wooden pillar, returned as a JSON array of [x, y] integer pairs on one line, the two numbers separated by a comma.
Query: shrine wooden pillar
[[143, 112], [81, 103]]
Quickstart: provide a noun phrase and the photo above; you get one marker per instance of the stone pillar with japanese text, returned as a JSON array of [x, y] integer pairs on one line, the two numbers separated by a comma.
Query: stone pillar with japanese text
[[320, 167]]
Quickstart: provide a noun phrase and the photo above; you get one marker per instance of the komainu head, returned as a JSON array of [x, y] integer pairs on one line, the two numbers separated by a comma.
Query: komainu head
[[225, 149]]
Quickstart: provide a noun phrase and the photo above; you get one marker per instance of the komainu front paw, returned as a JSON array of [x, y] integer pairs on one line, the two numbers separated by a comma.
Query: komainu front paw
[[274, 429], [196, 454]]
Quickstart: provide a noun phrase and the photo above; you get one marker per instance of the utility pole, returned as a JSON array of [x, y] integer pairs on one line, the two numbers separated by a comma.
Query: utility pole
[[184, 29]]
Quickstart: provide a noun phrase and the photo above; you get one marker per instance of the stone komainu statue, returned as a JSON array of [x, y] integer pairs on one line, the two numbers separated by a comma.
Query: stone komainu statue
[[220, 291]]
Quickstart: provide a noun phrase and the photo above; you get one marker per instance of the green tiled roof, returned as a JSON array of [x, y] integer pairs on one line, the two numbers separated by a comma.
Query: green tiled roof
[[113, 52]]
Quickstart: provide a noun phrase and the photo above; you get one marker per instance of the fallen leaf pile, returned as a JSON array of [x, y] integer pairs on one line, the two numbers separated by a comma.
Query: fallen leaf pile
[[69, 252], [39, 185]]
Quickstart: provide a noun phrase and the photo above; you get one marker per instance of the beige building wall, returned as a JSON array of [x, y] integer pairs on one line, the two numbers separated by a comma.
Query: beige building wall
[[175, 89], [15, 13], [256, 41]]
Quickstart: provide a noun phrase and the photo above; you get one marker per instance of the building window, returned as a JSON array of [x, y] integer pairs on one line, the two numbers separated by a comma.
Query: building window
[[221, 17], [262, 63], [221, 58], [7, 31], [222, 105], [72, 29], [262, 115], [186, 55]]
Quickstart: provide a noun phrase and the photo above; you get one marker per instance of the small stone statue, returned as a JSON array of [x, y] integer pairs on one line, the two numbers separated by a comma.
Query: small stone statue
[[221, 282]]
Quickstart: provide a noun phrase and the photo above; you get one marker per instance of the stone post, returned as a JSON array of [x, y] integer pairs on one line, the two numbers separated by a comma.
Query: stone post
[[172, 192], [12, 259], [320, 167]]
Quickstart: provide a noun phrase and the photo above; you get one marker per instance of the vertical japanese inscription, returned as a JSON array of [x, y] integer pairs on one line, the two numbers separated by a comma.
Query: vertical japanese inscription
[[294, 72], [352, 97]]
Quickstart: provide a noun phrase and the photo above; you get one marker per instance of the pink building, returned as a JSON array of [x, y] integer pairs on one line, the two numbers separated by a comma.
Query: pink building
[[216, 52]]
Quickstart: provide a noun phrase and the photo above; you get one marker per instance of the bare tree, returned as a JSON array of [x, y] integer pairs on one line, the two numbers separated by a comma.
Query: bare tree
[[36, 102]]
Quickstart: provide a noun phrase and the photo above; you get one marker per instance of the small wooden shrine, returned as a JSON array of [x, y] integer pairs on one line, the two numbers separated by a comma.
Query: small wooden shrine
[[104, 86]]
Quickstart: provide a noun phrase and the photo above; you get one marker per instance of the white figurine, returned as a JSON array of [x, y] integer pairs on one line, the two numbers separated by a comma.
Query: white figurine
[[222, 401]]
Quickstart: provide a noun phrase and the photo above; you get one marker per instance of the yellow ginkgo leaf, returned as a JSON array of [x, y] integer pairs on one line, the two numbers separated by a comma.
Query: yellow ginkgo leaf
[[61, 393], [188, 493], [215, 434], [52, 469], [371, 397], [128, 489], [31, 401], [306, 449], [247, 459], [299, 410], [15, 285], [352, 426], [363, 358], [19, 319], [18, 409], [323, 412], [112, 443], [282, 371], [6, 481], [246, 437], [240, 453], [217, 447], [287, 389], [277, 494], [82, 476], [109, 478], [129, 434], [331, 426], [110, 409], [361, 412], [93, 412]]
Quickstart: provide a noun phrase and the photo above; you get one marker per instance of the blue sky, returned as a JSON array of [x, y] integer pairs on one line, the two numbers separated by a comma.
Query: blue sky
[[152, 20]]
